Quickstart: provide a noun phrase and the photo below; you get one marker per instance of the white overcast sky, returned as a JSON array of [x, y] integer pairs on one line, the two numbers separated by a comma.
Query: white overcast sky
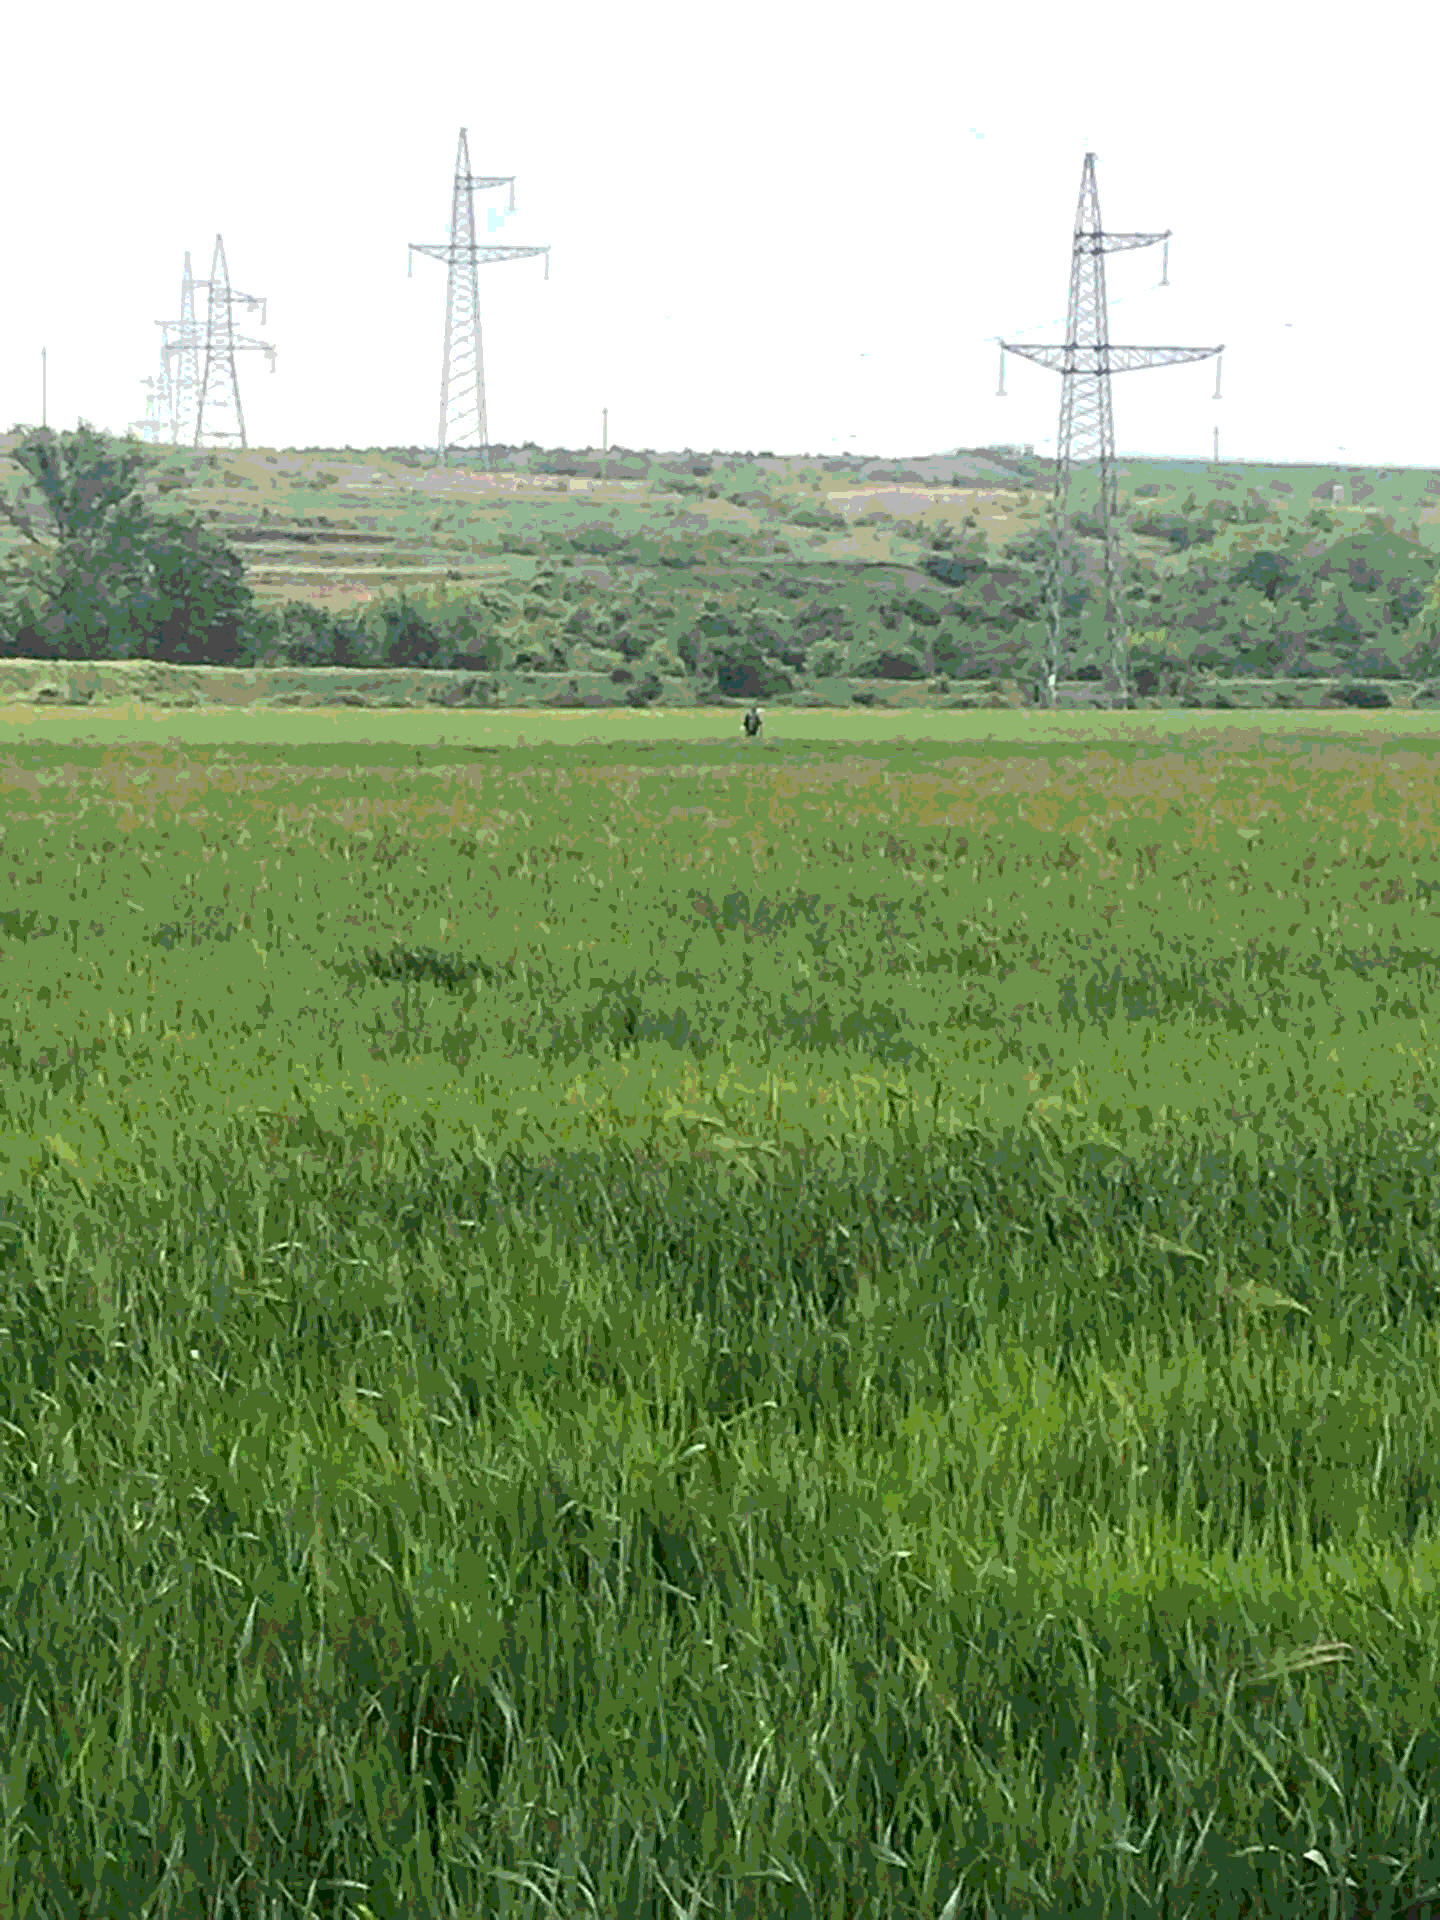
[[774, 226]]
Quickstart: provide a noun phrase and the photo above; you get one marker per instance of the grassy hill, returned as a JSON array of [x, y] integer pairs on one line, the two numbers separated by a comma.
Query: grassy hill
[[601, 572]]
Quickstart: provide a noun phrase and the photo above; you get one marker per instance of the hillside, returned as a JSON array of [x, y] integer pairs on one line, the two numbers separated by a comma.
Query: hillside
[[602, 577]]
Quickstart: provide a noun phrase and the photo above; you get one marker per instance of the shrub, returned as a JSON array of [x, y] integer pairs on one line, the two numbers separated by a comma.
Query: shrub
[[1359, 693], [892, 663], [464, 624], [307, 636], [472, 691], [646, 691], [827, 658]]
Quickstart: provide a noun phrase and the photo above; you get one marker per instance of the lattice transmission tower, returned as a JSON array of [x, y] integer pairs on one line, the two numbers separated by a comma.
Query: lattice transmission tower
[[462, 373], [156, 425], [1086, 361], [172, 395], [219, 396]]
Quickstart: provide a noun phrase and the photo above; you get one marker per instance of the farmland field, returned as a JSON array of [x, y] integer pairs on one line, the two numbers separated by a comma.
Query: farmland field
[[602, 1321]]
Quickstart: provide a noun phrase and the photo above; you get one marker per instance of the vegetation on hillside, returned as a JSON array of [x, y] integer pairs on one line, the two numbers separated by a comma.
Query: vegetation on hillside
[[726, 580]]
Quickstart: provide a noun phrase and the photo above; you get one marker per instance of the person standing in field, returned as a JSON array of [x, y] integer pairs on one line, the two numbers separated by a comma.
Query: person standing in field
[[753, 722]]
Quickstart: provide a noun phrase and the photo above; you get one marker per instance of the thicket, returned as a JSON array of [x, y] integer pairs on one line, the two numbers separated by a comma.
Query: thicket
[[1293, 595]]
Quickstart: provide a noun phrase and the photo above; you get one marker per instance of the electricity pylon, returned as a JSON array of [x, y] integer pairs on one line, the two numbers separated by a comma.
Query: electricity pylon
[[462, 373], [1087, 424], [157, 424], [219, 387], [177, 391]]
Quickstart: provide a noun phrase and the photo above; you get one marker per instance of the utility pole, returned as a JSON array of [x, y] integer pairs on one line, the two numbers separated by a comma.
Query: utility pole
[[219, 386], [1087, 425], [462, 373], [44, 391]]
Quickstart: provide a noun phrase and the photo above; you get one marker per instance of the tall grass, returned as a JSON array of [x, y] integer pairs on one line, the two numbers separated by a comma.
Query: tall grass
[[583, 1538], [773, 1496]]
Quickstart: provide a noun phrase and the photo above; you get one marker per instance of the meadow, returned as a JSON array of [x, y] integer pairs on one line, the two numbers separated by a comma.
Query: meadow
[[616, 1324]]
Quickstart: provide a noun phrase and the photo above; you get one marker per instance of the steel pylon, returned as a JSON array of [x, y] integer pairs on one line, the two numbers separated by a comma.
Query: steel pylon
[[462, 373], [219, 396], [1086, 361], [156, 427], [180, 345]]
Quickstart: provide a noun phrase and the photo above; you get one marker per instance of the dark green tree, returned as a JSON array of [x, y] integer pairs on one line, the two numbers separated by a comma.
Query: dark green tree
[[84, 479], [956, 554], [193, 604], [105, 576], [740, 667], [403, 636]]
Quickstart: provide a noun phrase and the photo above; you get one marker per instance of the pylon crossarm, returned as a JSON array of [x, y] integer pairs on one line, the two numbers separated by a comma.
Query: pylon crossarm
[[1137, 357], [480, 253], [508, 253], [1086, 357], [1125, 242]]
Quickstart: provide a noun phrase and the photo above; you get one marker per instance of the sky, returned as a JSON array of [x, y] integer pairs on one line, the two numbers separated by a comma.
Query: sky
[[773, 227]]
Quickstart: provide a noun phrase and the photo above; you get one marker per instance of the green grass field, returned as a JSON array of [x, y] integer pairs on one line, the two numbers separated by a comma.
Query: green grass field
[[602, 1322]]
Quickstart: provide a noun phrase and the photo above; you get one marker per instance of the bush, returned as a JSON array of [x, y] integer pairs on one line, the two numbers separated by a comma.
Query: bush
[[1181, 530], [892, 663], [646, 691], [1359, 693], [473, 691], [827, 658], [307, 636], [401, 634], [922, 614], [464, 624], [735, 666], [198, 600], [601, 542], [953, 569]]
